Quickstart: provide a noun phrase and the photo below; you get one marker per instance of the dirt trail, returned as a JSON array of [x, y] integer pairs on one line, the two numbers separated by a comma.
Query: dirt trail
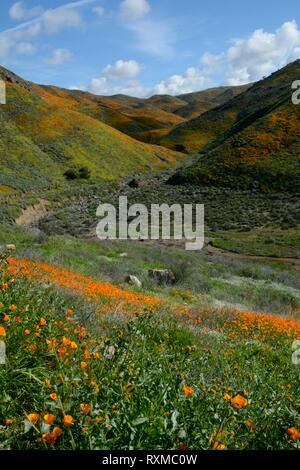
[[209, 249]]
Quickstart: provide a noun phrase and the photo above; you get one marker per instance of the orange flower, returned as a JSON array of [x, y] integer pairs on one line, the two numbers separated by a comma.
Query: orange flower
[[250, 424], [188, 390], [83, 365], [57, 431], [26, 332], [293, 433], [85, 408], [66, 341], [53, 396], [6, 318], [239, 401], [4, 285], [2, 331], [8, 422], [70, 312], [68, 421], [13, 308], [73, 345], [226, 396], [49, 437], [218, 446], [43, 322], [33, 418], [49, 418]]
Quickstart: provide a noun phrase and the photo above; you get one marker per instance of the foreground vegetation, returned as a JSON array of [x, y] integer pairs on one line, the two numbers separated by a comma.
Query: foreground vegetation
[[109, 369]]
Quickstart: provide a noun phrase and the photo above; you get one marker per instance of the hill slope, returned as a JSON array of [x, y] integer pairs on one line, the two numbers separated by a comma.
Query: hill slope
[[252, 140], [42, 135]]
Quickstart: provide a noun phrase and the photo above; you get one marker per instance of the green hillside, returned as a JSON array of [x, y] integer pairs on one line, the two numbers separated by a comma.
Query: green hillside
[[42, 136], [251, 141]]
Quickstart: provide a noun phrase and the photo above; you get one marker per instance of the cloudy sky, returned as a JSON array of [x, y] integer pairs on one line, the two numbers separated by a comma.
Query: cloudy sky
[[144, 47]]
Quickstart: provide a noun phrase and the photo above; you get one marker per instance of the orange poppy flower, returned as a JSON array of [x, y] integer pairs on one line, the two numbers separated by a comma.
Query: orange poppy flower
[[68, 421]]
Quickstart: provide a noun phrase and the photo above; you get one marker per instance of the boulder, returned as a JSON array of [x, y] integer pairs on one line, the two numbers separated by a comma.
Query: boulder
[[11, 247], [162, 276], [133, 280]]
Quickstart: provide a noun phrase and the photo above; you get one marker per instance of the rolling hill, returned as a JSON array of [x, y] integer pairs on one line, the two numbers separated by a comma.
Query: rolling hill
[[252, 140], [44, 134]]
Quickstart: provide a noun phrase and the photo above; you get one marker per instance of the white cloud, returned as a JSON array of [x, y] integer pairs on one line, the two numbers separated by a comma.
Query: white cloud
[[59, 57], [59, 18], [19, 11], [122, 69], [102, 86], [261, 54], [192, 80], [131, 10], [247, 60], [153, 37], [99, 11], [50, 21], [25, 48]]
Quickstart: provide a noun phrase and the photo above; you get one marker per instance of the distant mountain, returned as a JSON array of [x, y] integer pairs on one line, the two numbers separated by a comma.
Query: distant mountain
[[252, 140], [46, 132]]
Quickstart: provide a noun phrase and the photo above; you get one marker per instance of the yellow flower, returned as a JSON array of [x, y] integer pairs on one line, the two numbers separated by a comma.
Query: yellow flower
[[33, 418], [2, 331], [73, 345], [43, 322], [13, 308], [49, 418], [68, 421], [239, 401], [83, 365], [188, 390], [4, 285], [53, 396]]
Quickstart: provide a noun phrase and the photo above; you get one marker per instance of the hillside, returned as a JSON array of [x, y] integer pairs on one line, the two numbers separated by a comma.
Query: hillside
[[42, 135], [147, 120], [251, 141]]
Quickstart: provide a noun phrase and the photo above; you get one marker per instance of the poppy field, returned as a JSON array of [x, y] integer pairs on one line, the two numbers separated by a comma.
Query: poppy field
[[91, 366]]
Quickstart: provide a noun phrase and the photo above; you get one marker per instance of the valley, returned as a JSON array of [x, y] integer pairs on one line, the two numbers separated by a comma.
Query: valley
[[197, 360]]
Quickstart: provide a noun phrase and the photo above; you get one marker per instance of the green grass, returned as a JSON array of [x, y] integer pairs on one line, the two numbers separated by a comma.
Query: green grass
[[267, 286], [134, 389], [268, 242]]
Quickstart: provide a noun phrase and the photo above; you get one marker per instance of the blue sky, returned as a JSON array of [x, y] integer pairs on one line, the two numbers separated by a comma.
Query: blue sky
[[142, 47]]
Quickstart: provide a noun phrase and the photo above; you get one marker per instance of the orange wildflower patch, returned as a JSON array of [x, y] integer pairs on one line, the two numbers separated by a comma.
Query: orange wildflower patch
[[79, 284]]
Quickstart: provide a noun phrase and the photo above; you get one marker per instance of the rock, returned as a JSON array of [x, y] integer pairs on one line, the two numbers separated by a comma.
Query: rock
[[162, 276], [11, 247], [133, 280]]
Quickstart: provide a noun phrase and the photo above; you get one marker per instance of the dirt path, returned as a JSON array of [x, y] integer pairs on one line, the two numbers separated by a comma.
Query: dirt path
[[209, 249]]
